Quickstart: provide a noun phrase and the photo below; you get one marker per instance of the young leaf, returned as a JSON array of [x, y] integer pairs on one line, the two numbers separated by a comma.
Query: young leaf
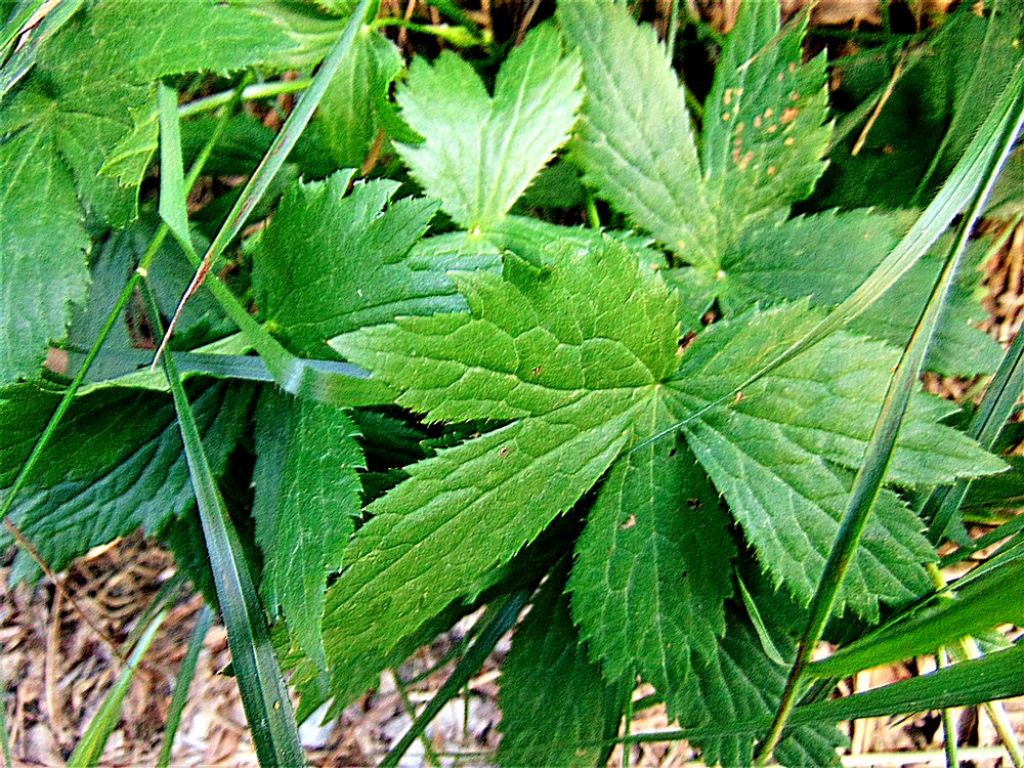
[[115, 463], [330, 263], [307, 493], [556, 709], [480, 153], [763, 127], [652, 567]]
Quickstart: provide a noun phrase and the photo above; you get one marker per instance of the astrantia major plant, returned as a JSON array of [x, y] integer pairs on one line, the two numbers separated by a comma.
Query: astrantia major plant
[[684, 438]]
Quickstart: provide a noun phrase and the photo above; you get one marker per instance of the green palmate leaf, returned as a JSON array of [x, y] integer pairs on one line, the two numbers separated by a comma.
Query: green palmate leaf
[[55, 132], [652, 567], [771, 450], [556, 708], [763, 133], [348, 120], [328, 264], [541, 346], [115, 464], [307, 493], [480, 152]]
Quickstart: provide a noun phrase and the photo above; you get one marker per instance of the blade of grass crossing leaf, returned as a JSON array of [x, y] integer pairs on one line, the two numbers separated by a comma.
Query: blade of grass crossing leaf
[[987, 152], [89, 749], [996, 406], [868, 482], [990, 599], [115, 313], [272, 161], [991, 678], [184, 681], [499, 619], [264, 695], [293, 374]]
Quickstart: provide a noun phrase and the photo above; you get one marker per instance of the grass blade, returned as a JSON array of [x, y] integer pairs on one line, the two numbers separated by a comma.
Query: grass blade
[[980, 603], [264, 696], [90, 748], [272, 161], [23, 60], [185, 675], [295, 375], [868, 482]]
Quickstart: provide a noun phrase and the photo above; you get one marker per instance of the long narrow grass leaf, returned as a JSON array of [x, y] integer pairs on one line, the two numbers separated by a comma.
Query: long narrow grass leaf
[[89, 749], [984, 602], [264, 696], [186, 673], [172, 171], [295, 375], [18, 65], [878, 456]]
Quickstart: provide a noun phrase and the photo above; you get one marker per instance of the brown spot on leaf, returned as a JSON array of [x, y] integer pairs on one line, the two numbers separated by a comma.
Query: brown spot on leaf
[[694, 504], [535, 372], [504, 451]]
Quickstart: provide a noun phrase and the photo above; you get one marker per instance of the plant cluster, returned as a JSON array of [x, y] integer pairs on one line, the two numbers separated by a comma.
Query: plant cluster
[[404, 383]]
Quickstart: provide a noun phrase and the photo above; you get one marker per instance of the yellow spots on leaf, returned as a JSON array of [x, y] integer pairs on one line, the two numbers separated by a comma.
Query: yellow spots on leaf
[[790, 141], [744, 162], [772, 170], [740, 126], [792, 66], [794, 96], [757, 121], [630, 523], [726, 117], [768, 113], [789, 115], [771, 128]]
